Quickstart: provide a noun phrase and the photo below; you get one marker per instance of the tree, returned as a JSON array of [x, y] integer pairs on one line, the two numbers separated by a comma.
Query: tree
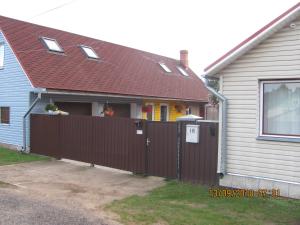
[[213, 83]]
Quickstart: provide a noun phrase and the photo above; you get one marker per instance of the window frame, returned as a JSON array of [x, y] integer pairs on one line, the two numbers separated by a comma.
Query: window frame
[[261, 108], [85, 53], [4, 123], [61, 50], [183, 71], [2, 44], [168, 111], [165, 68]]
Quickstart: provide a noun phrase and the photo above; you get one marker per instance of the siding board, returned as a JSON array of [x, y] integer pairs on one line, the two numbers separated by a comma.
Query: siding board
[[277, 57], [14, 93]]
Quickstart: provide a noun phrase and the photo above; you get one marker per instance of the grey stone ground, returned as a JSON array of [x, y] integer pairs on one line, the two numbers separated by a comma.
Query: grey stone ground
[[16, 209]]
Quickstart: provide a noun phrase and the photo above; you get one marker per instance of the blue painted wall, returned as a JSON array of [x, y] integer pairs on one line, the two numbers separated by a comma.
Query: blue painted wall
[[14, 93]]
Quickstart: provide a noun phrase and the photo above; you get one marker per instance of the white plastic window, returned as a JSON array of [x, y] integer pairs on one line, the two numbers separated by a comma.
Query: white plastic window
[[280, 108], [165, 67], [52, 45], [182, 71], [89, 52]]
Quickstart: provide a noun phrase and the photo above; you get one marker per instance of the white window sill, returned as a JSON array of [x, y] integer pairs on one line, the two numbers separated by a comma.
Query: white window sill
[[281, 139]]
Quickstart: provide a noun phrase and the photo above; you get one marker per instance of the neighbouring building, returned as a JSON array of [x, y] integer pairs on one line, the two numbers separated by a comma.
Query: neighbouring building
[[260, 138], [85, 76]]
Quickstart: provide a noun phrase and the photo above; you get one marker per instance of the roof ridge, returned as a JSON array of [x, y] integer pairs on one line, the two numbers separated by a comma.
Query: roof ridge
[[80, 35], [121, 69]]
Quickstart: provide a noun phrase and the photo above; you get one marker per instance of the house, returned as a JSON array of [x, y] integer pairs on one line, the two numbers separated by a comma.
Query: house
[[260, 102], [85, 76]]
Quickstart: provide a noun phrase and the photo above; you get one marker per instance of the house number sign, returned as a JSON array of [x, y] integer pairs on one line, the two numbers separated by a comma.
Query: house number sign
[[192, 133]]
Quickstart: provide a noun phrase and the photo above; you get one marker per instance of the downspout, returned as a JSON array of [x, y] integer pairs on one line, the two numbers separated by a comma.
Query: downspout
[[223, 99], [25, 117]]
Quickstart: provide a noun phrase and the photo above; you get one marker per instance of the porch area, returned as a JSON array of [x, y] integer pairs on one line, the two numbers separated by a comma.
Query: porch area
[[87, 104]]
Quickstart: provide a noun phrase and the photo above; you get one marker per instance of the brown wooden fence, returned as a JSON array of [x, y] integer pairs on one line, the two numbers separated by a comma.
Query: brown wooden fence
[[198, 162], [139, 146]]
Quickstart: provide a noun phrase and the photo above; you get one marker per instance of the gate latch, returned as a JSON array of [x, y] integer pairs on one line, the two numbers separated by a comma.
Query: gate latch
[[148, 141]]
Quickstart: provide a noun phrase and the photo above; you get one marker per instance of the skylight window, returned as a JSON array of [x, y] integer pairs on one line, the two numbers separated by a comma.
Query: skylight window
[[164, 66], [89, 52], [52, 45], [182, 71]]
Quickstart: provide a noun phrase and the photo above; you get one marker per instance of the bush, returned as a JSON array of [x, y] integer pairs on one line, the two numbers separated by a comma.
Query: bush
[[51, 107]]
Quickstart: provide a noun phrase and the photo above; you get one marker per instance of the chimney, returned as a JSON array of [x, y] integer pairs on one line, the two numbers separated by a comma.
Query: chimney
[[184, 58]]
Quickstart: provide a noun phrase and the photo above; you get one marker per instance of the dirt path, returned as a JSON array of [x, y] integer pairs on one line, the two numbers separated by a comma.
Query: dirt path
[[69, 188]]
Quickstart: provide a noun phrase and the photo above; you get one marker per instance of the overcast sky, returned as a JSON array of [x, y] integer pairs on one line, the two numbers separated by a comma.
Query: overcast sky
[[206, 28]]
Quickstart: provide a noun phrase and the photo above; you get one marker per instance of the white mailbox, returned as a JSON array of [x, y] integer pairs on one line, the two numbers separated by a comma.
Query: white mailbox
[[192, 133]]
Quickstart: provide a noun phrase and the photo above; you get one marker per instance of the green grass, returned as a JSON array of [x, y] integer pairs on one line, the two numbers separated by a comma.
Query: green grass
[[186, 204], [8, 157]]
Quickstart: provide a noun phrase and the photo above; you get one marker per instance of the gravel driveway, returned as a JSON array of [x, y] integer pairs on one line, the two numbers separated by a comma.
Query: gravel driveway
[[56, 192], [16, 209]]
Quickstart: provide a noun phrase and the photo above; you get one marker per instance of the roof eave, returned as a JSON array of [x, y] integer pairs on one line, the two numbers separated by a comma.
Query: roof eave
[[113, 95]]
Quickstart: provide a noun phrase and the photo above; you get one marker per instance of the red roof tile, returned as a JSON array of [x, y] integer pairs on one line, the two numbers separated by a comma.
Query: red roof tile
[[120, 70]]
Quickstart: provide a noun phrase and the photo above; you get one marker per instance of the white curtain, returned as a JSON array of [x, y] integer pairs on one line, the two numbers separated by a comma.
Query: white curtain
[[281, 108]]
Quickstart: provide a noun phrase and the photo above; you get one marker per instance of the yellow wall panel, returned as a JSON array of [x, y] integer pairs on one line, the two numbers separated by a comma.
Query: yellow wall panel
[[173, 113]]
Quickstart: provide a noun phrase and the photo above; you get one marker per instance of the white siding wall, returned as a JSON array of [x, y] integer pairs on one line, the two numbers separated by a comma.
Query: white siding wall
[[277, 57]]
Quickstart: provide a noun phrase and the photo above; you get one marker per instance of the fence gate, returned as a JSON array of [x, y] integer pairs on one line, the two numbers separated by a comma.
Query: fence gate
[[198, 161], [148, 147], [162, 149]]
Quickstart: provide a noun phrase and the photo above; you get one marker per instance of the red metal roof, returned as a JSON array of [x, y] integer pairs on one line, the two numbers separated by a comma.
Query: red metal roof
[[120, 70], [266, 27]]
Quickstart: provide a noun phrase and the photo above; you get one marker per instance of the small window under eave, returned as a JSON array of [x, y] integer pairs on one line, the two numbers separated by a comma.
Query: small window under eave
[[182, 71], [52, 45], [90, 53], [1, 55], [165, 67]]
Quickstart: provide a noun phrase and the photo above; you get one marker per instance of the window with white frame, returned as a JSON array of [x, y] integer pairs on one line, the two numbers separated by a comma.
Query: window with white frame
[[1, 55], [52, 45], [182, 71], [280, 108], [90, 53], [165, 67]]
